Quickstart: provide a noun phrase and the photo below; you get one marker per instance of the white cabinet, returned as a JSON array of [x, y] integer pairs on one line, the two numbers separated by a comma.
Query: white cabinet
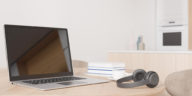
[[163, 62], [172, 12]]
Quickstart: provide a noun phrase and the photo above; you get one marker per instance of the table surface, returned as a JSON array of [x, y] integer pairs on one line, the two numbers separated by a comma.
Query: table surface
[[104, 89]]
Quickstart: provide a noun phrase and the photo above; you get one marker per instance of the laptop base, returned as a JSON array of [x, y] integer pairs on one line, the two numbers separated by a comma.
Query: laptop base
[[63, 84]]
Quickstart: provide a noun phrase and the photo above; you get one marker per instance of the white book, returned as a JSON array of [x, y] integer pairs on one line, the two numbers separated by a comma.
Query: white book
[[103, 75], [106, 71], [106, 64], [106, 68]]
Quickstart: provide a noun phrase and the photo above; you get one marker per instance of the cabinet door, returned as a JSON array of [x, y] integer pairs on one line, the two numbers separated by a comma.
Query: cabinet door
[[172, 12]]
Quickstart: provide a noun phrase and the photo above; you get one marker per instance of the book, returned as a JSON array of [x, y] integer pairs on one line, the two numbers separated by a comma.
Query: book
[[106, 69]]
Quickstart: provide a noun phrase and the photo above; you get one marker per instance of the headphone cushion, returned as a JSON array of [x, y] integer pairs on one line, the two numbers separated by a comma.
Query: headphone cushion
[[138, 75], [152, 78]]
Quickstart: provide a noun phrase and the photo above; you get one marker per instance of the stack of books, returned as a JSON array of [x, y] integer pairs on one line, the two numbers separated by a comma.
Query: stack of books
[[106, 69]]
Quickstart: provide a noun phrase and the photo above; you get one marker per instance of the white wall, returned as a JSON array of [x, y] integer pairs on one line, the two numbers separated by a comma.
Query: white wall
[[95, 26]]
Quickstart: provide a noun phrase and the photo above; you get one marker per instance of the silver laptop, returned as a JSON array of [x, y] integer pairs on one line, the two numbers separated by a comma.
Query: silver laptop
[[39, 57]]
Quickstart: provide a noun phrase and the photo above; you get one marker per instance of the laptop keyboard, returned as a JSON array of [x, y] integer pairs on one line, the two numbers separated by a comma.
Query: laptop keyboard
[[52, 80]]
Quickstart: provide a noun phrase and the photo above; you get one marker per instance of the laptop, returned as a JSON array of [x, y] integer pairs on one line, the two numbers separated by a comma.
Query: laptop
[[39, 57]]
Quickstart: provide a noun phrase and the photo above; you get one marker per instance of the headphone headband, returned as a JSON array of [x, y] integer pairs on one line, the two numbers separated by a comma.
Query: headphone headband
[[128, 78], [131, 85]]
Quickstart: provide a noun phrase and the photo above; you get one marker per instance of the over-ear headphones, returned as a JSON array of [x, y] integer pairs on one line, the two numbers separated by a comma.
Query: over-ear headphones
[[140, 78]]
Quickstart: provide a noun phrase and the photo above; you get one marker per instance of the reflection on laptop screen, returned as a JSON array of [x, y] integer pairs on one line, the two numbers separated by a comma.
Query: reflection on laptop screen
[[37, 50]]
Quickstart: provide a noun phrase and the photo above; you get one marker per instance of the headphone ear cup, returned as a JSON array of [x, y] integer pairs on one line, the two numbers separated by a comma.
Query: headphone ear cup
[[152, 78], [139, 75]]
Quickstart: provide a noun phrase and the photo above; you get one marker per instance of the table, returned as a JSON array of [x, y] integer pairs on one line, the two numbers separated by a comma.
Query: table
[[104, 89]]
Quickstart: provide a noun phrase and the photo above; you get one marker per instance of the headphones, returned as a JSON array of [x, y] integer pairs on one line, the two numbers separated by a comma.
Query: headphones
[[140, 78]]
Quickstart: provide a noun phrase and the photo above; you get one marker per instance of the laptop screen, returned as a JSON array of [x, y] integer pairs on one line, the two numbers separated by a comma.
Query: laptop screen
[[34, 51]]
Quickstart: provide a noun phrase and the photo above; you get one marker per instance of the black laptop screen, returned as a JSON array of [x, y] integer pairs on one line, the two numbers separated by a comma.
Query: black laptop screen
[[37, 50]]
